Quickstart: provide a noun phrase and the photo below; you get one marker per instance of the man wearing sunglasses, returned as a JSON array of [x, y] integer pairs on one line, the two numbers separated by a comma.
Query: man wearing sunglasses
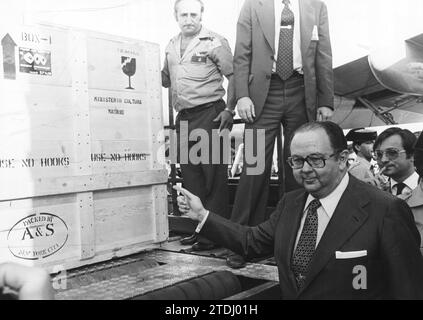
[[337, 238], [394, 151]]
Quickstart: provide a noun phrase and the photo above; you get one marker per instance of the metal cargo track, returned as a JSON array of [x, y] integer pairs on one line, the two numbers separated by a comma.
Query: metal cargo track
[[139, 274]]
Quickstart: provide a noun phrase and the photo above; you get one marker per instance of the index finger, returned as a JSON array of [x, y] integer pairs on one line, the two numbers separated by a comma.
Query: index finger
[[253, 110], [250, 116]]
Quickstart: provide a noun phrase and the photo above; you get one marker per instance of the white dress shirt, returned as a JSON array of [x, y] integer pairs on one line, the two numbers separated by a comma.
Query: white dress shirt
[[410, 184], [279, 6], [325, 211]]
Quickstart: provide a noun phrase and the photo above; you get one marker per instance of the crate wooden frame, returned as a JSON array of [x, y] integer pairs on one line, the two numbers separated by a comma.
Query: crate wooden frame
[[86, 184]]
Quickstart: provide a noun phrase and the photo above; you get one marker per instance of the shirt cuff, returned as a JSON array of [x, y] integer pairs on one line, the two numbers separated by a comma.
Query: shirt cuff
[[201, 224]]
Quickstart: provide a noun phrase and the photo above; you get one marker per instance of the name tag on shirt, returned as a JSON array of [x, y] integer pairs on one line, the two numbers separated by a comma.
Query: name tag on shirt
[[199, 59]]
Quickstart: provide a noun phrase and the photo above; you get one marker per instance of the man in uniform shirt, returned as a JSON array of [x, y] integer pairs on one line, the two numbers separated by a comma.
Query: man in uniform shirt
[[394, 150], [196, 61], [363, 141]]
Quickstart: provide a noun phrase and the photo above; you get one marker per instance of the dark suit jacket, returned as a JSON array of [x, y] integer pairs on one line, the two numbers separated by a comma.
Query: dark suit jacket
[[365, 219], [255, 49]]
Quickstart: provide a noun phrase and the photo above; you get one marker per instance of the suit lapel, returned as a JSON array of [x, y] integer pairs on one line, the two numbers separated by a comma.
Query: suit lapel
[[266, 16], [307, 23], [346, 220], [289, 232]]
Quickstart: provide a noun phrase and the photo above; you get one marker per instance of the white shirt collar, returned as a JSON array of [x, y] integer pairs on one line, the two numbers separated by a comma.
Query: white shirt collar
[[411, 182], [295, 8], [293, 4], [330, 202]]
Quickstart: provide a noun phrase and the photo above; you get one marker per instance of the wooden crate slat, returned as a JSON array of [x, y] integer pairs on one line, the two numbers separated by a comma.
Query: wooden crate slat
[[86, 216], [63, 185]]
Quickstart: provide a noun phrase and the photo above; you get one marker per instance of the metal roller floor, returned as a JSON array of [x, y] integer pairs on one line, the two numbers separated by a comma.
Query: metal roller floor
[[135, 275]]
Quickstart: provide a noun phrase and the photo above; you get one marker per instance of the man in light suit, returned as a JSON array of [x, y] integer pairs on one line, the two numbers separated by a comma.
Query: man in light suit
[[338, 238], [283, 75]]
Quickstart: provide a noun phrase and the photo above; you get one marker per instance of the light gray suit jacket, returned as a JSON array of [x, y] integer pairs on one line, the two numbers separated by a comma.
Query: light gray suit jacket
[[255, 51]]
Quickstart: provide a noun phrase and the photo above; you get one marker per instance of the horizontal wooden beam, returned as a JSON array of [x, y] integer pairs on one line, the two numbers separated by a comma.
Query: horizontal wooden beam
[[42, 186]]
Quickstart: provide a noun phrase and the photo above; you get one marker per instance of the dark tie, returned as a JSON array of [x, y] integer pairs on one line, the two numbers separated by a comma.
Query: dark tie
[[285, 62], [306, 244], [400, 187]]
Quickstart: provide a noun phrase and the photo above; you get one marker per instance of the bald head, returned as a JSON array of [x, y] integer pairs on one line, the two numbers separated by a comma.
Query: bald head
[[177, 2], [188, 14]]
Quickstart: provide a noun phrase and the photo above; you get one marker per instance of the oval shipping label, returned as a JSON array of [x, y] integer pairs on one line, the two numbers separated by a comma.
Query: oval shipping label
[[37, 236]]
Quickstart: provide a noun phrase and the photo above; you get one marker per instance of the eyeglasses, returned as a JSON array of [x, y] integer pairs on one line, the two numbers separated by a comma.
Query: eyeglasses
[[390, 153], [314, 161]]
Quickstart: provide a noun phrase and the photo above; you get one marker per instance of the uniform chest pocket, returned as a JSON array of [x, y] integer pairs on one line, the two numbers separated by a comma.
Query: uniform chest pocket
[[198, 70]]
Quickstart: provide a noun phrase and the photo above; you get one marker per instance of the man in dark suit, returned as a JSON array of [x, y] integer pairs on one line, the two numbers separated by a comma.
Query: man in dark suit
[[283, 75], [338, 238]]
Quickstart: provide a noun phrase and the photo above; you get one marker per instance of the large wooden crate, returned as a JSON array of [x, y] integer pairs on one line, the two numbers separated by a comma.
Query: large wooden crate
[[82, 176]]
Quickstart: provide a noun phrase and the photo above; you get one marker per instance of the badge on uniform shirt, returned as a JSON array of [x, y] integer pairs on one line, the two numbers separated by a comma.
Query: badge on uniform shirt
[[200, 57]]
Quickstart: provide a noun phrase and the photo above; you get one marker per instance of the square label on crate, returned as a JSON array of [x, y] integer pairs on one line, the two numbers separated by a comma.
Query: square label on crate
[[35, 61]]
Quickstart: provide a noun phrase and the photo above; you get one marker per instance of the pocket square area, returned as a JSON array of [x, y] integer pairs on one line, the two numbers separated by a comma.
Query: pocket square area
[[350, 254]]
